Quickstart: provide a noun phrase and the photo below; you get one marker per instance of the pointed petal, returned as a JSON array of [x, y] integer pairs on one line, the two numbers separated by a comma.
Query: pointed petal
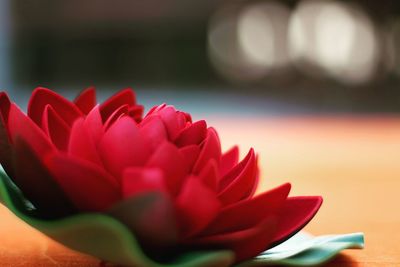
[[294, 215], [136, 112], [5, 104], [94, 124], [229, 160], [209, 175], [211, 150], [168, 158], [190, 153], [248, 213], [23, 127], [5, 141], [81, 144], [196, 205], [42, 97], [246, 243], [86, 100], [123, 97], [142, 214], [88, 186], [140, 180], [123, 146], [153, 130], [242, 179], [155, 109], [192, 135], [56, 128], [35, 180], [171, 121], [122, 110]]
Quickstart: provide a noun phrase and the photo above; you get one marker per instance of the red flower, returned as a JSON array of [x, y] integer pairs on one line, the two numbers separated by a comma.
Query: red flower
[[162, 175]]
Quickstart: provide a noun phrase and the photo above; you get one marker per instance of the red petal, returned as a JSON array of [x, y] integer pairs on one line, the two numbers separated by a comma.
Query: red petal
[[37, 183], [4, 106], [168, 158], [123, 146], [153, 130], [190, 153], [139, 180], [55, 127], [197, 206], [5, 142], [294, 215], [210, 150], [136, 112], [94, 124], [192, 135], [42, 97], [89, 187], [248, 213], [81, 144], [246, 243], [151, 216], [209, 175], [155, 109], [86, 100], [123, 97], [23, 127], [171, 121], [122, 110], [229, 160], [242, 178]]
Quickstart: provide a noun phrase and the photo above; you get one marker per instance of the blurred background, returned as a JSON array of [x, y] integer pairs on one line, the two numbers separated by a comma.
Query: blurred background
[[309, 55]]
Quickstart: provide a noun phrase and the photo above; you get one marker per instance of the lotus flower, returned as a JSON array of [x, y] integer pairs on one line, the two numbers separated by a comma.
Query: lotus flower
[[162, 175]]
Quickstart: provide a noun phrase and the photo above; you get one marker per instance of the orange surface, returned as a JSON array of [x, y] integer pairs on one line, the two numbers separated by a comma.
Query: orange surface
[[353, 162]]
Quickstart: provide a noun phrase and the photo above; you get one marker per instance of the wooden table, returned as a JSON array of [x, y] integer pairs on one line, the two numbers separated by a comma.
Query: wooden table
[[353, 162]]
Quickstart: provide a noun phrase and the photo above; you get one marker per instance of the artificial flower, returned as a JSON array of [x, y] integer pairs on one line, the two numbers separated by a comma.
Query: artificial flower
[[162, 175]]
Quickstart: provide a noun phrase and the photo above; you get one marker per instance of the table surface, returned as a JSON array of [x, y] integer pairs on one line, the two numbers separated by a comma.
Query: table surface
[[353, 162]]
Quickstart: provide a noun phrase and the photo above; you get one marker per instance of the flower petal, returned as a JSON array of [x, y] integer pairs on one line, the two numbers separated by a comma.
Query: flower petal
[[153, 130], [190, 153], [171, 120], [5, 141], [246, 243], [248, 213], [136, 112], [139, 180], [229, 160], [122, 110], [88, 186], [123, 97], [37, 184], [294, 215], [23, 127], [56, 128], [94, 124], [5, 104], [151, 217], [241, 178], [211, 150], [168, 158], [86, 100], [42, 97], [123, 146], [197, 206], [209, 175], [81, 144], [192, 135]]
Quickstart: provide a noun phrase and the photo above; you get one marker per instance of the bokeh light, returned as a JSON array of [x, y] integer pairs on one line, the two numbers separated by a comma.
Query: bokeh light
[[335, 37]]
